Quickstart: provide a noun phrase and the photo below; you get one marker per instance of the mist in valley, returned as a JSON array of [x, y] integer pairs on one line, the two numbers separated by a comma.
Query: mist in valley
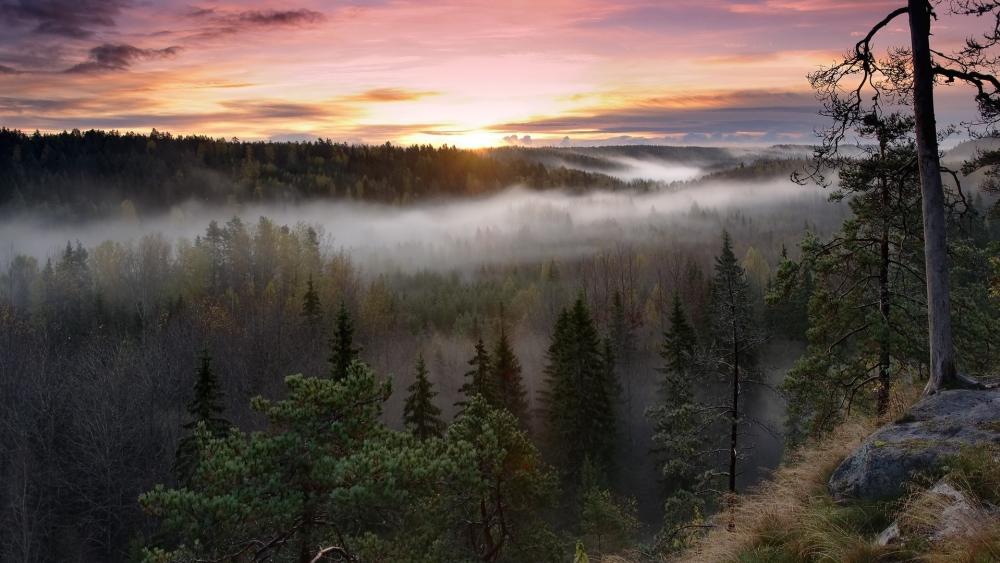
[[517, 225], [519, 256]]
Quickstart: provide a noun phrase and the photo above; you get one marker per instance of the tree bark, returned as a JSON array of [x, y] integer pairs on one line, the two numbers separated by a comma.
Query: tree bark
[[884, 381], [942, 352], [735, 420]]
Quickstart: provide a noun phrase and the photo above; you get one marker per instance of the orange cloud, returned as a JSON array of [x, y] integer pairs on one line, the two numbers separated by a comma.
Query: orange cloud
[[390, 95]]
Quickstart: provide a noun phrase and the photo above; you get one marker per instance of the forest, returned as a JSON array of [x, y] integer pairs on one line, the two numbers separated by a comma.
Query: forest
[[226, 350], [144, 377]]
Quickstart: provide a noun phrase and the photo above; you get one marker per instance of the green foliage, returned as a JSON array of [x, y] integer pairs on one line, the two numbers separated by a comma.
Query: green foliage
[[420, 415], [325, 475], [507, 382], [867, 320], [205, 410], [490, 507], [479, 380], [342, 351], [732, 318], [677, 424], [580, 395], [311, 311], [787, 298], [608, 524], [732, 352]]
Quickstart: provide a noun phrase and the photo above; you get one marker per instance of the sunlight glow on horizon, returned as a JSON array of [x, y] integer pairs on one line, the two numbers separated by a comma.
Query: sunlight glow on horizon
[[439, 72]]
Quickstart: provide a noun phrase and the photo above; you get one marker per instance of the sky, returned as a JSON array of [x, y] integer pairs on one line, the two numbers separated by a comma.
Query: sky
[[466, 73]]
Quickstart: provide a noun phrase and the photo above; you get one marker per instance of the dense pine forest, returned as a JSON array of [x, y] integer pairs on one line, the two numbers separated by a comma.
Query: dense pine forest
[[78, 174]]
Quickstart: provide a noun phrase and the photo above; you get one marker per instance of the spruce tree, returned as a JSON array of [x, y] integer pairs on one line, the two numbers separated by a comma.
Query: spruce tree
[[735, 337], [205, 411], [420, 415], [311, 311], [507, 384], [478, 380], [342, 350], [579, 400], [676, 421], [678, 348]]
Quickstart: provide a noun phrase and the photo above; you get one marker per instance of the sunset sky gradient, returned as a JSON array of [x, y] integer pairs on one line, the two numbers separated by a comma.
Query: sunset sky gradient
[[466, 73]]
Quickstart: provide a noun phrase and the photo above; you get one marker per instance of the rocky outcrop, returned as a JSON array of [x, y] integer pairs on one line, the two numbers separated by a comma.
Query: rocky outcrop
[[934, 428]]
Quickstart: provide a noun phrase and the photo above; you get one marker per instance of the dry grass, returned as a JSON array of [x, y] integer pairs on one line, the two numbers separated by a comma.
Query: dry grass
[[790, 517], [784, 502], [981, 545]]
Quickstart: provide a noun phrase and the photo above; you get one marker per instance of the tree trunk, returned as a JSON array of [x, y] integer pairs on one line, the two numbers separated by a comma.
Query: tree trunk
[[942, 353], [884, 382], [735, 421]]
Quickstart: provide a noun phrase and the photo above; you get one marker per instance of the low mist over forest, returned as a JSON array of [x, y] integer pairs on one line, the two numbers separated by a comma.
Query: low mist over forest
[[131, 260]]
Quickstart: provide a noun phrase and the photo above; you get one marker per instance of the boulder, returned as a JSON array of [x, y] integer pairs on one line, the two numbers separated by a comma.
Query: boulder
[[936, 427]]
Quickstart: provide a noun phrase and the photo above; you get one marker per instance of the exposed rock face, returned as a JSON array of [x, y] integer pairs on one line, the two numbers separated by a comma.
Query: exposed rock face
[[935, 427]]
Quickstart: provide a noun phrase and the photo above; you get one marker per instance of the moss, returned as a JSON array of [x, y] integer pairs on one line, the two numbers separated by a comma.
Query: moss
[[917, 444]]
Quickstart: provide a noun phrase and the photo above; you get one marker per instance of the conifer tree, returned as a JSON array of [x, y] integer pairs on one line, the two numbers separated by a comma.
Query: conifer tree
[[478, 380], [676, 423], [507, 384], [205, 410], [621, 337], [342, 350], [420, 415], [735, 337], [326, 478], [866, 307], [579, 400], [311, 311]]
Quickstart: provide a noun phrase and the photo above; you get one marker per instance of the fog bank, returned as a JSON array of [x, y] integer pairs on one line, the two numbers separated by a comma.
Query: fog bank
[[512, 226]]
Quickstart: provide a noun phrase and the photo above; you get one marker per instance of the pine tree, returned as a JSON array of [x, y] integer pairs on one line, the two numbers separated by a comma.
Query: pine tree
[[290, 483], [507, 384], [579, 400], [205, 410], [311, 311], [866, 288], [342, 350], [420, 415], [478, 380]]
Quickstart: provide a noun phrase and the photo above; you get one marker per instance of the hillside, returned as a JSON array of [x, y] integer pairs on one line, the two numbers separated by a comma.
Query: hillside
[[944, 510]]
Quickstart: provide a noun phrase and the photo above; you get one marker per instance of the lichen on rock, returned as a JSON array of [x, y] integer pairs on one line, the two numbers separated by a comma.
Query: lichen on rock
[[933, 429]]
